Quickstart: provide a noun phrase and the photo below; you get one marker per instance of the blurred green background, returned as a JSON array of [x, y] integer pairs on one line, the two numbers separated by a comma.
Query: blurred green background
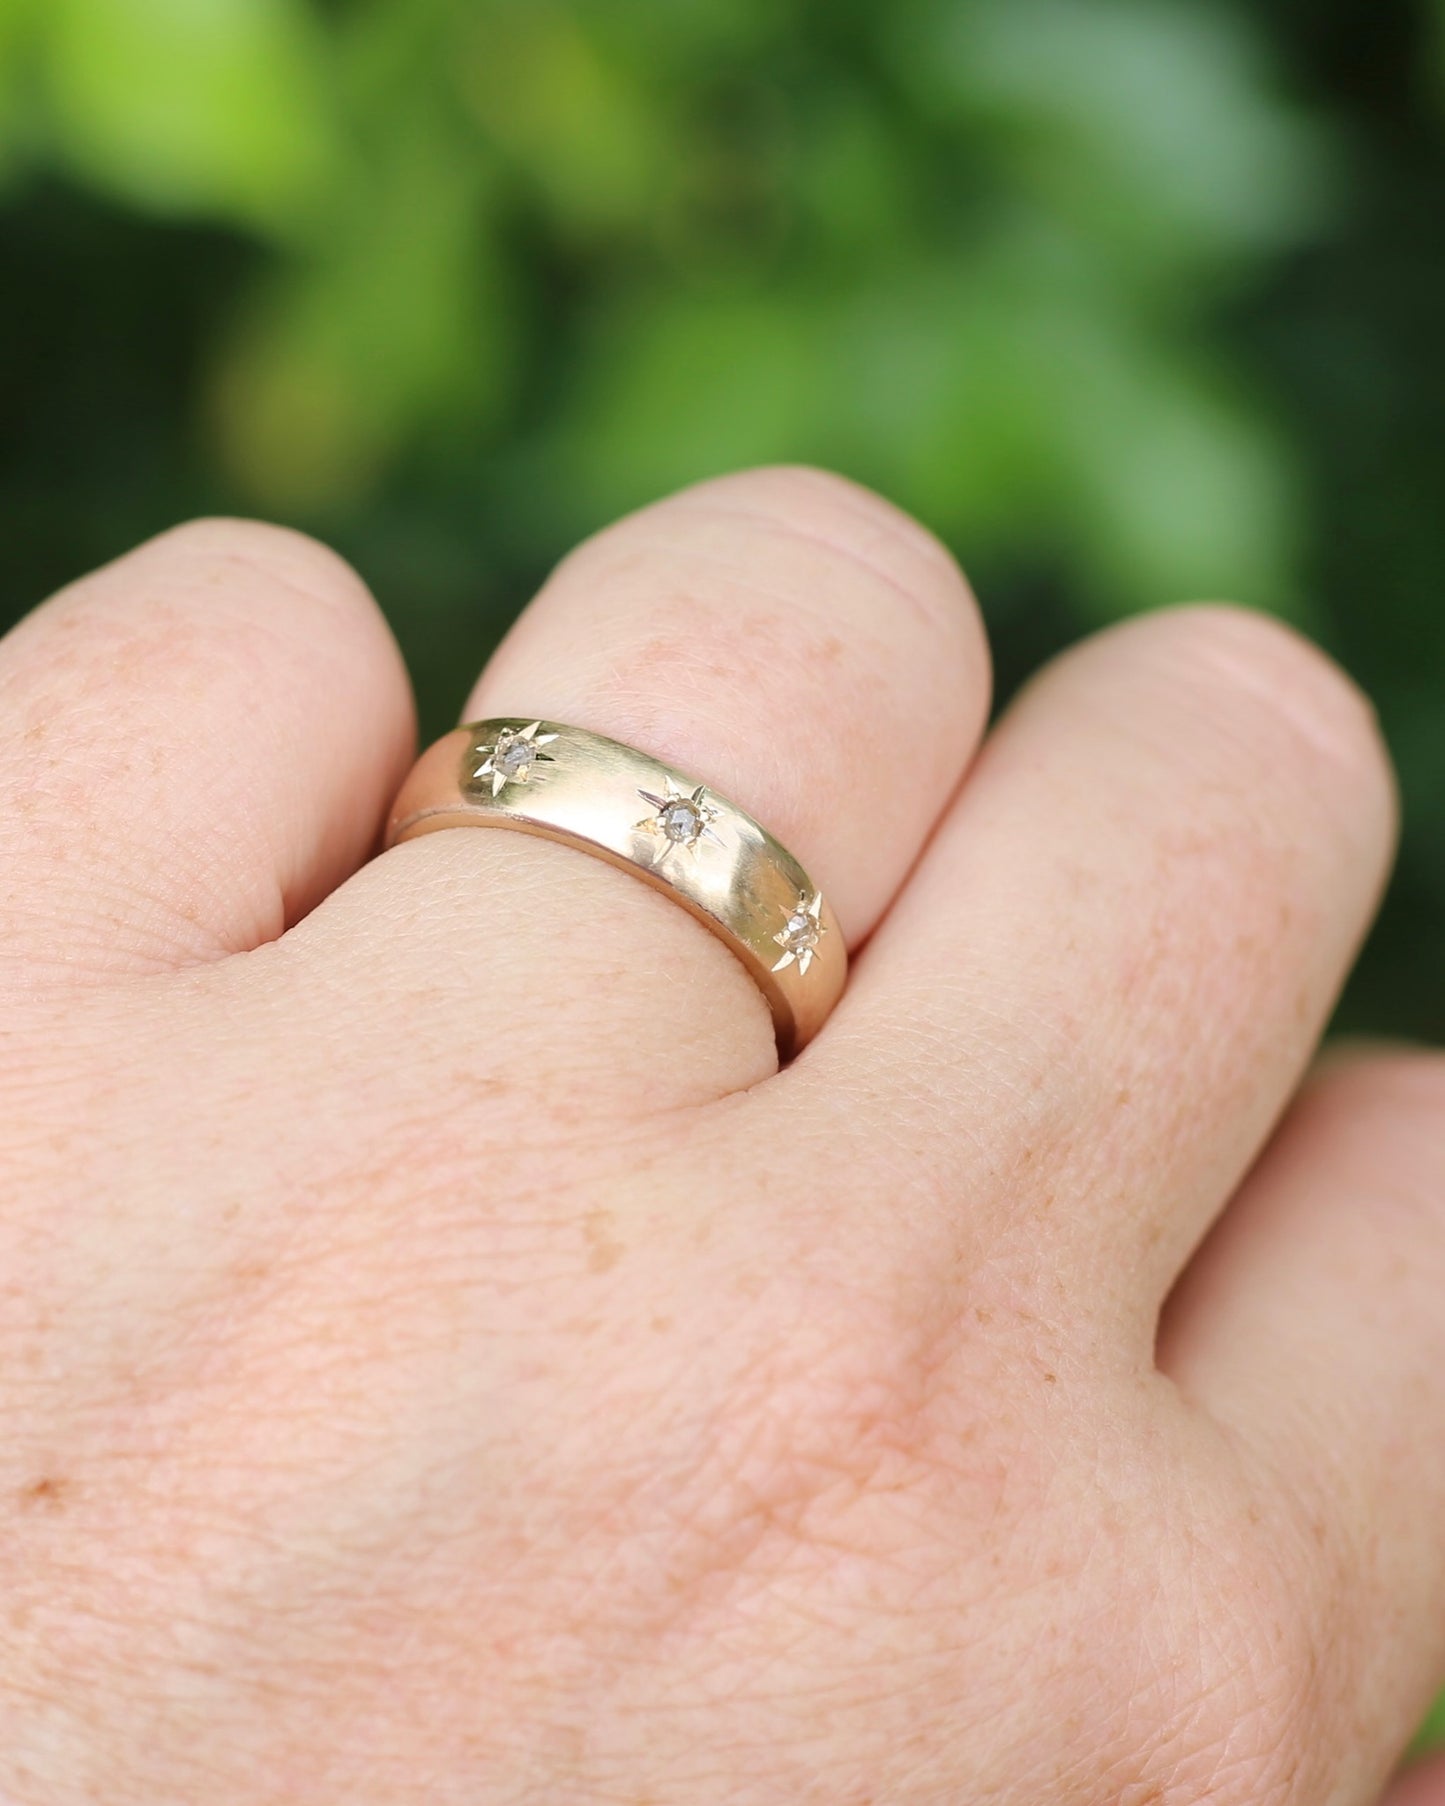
[[1131, 301]]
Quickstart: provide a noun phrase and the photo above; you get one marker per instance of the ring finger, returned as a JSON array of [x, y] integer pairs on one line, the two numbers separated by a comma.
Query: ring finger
[[780, 636]]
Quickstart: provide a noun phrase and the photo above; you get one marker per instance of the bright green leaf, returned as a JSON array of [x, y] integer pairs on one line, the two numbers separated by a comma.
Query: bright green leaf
[[579, 122], [17, 26], [1181, 494], [212, 107], [1147, 126], [397, 327], [682, 387]]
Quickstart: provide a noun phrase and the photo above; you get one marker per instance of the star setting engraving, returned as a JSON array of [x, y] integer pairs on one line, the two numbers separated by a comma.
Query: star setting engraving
[[514, 755], [683, 819], [801, 932]]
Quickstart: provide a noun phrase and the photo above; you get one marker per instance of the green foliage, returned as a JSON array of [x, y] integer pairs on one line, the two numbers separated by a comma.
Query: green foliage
[[1111, 117], [202, 106], [962, 248], [14, 31]]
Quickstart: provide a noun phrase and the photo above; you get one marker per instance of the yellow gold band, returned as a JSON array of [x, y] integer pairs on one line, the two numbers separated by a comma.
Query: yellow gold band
[[679, 836]]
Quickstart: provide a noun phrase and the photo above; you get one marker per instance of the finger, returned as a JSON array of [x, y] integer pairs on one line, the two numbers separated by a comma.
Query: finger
[[196, 743], [1422, 1785], [1119, 950], [785, 638], [1311, 1327]]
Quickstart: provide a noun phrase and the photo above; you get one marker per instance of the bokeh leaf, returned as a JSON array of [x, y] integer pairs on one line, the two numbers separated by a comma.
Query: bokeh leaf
[[1012, 403], [683, 388], [576, 119], [1149, 127], [398, 323], [212, 107], [17, 19], [1179, 490]]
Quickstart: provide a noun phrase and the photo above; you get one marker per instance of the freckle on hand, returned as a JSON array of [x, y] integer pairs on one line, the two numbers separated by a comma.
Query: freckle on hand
[[48, 1492]]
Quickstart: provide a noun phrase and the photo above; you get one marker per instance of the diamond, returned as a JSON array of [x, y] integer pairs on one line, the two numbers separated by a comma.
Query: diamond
[[514, 755], [800, 932], [681, 822]]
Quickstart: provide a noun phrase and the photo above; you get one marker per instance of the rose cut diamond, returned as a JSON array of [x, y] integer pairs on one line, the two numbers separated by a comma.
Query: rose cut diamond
[[681, 821], [514, 755], [800, 932]]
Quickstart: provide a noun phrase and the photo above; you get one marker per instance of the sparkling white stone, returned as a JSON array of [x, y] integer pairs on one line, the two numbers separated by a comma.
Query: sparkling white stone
[[682, 819], [800, 933], [513, 756]]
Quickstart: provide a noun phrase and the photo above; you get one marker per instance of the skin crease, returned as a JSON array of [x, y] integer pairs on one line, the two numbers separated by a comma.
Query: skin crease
[[442, 1359]]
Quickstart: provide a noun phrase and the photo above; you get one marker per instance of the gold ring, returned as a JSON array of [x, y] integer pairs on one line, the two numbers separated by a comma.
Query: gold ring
[[679, 836]]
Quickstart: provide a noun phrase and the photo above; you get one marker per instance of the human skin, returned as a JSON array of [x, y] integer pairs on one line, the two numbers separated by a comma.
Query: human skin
[[441, 1357]]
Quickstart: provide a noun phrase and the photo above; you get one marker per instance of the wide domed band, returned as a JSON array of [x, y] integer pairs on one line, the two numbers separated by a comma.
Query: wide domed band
[[676, 834]]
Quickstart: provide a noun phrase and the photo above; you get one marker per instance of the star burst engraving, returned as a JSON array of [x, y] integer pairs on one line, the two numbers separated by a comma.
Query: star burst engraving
[[801, 932], [514, 755], [682, 819]]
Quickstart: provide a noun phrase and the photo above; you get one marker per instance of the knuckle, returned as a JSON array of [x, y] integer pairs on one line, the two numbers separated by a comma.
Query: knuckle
[[793, 535], [246, 604], [254, 562], [1246, 658], [893, 554], [764, 597]]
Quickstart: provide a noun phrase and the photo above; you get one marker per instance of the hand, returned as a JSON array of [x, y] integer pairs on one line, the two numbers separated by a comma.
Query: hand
[[442, 1360]]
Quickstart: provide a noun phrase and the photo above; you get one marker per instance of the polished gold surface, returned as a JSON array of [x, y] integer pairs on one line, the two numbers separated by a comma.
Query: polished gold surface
[[679, 836]]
